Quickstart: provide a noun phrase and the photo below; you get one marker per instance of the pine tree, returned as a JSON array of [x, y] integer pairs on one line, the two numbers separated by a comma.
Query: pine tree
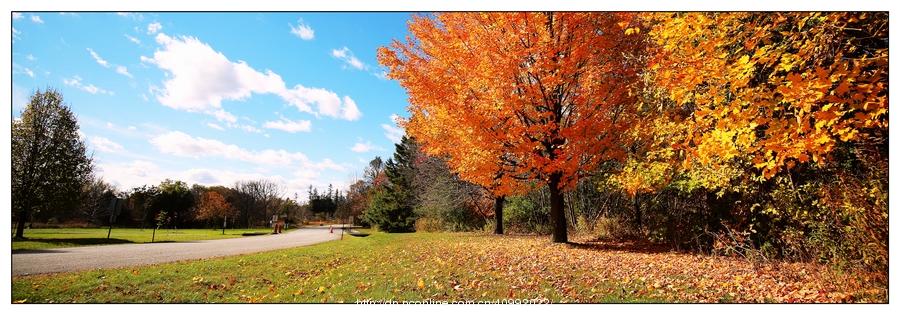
[[392, 205]]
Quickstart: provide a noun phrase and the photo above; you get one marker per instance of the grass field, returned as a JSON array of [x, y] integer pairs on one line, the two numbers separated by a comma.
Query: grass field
[[54, 238], [455, 267]]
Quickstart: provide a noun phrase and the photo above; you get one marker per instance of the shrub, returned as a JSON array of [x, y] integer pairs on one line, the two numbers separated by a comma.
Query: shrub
[[522, 215]]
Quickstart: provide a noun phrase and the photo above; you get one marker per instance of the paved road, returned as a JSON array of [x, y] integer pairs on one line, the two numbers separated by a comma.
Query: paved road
[[112, 256]]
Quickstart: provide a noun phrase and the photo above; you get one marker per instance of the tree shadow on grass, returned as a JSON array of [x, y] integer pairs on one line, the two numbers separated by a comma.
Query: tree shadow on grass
[[67, 242], [623, 246]]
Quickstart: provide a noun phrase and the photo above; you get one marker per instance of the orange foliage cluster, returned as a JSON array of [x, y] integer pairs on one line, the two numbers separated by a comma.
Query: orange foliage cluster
[[779, 89], [214, 206], [510, 96]]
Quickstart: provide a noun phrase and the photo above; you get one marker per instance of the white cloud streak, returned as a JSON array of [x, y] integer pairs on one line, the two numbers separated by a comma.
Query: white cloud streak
[[98, 59], [154, 28], [75, 81], [363, 147], [105, 145], [302, 30], [344, 54], [290, 126], [133, 39], [392, 131]]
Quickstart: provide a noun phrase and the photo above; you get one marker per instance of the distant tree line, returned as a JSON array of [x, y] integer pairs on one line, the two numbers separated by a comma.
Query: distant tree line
[[53, 184]]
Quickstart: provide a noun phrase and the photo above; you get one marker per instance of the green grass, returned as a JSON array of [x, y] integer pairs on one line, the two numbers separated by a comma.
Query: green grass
[[380, 266], [55, 238], [431, 266]]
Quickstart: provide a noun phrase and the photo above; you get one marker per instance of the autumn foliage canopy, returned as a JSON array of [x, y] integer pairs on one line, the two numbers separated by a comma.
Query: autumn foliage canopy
[[524, 96], [514, 99]]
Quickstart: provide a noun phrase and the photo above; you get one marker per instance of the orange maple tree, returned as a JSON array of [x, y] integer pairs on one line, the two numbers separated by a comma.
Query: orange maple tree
[[520, 96], [213, 206]]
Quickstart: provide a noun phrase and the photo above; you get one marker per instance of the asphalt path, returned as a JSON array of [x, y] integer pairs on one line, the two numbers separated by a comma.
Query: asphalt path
[[126, 255]]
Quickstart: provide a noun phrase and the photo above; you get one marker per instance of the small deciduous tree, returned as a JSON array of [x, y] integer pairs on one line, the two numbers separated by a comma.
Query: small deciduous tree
[[213, 206], [49, 161]]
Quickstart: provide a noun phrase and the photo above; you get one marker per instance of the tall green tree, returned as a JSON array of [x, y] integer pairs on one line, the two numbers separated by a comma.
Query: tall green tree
[[50, 164], [176, 199], [393, 203]]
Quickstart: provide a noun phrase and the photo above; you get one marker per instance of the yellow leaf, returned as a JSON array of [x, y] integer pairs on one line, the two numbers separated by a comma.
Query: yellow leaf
[[421, 284]]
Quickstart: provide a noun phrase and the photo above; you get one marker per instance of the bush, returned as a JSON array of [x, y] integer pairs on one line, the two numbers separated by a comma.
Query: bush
[[522, 215]]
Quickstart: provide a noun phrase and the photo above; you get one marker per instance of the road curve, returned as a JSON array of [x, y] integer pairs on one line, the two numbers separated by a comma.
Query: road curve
[[124, 255]]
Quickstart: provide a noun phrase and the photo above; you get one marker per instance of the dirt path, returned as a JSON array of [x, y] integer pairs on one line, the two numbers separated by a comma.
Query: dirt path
[[112, 256]]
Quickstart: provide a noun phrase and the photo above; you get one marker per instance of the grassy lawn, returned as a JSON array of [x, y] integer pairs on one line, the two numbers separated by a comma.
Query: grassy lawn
[[54, 238], [454, 267]]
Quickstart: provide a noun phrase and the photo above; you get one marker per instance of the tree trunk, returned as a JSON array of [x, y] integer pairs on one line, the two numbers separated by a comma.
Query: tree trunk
[[557, 213], [638, 216], [20, 226], [498, 214]]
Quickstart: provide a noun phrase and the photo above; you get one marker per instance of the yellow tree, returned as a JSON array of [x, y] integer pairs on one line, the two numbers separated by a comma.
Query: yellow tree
[[778, 88], [520, 96]]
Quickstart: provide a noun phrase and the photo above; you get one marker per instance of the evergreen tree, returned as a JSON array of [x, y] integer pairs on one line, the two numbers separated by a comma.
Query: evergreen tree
[[392, 205]]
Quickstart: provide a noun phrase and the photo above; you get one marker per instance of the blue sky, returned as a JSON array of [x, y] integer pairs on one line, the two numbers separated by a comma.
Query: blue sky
[[212, 98]]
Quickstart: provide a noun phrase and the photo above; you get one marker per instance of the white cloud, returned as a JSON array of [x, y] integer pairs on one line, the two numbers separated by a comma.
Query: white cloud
[[30, 57], [350, 111], [132, 174], [15, 34], [24, 70], [200, 78], [98, 59], [153, 28], [381, 74], [90, 88], [302, 30], [16, 15], [291, 126], [222, 115], [345, 55], [305, 171], [133, 16], [361, 147], [215, 126], [392, 132], [133, 39], [248, 128], [105, 145], [119, 69], [123, 71], [37, 19], [181, 144]]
